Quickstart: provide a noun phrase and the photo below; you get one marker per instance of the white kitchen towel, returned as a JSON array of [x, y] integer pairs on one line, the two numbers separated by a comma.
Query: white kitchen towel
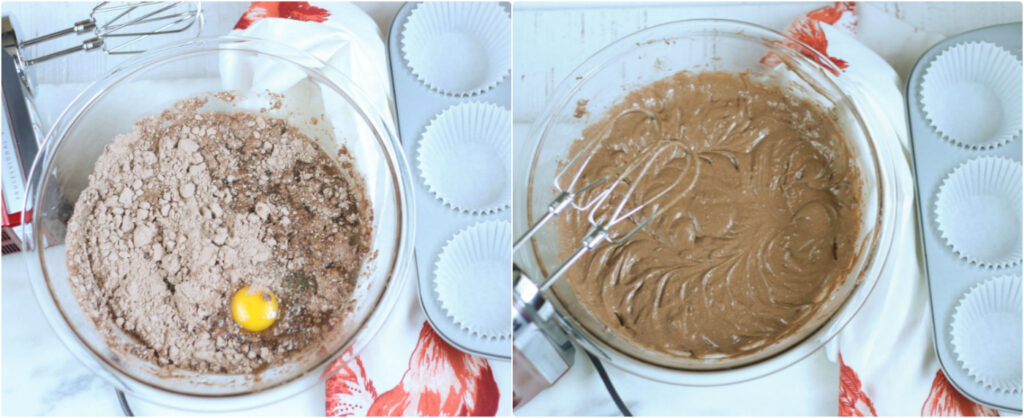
[[887, 364], [339, 34]]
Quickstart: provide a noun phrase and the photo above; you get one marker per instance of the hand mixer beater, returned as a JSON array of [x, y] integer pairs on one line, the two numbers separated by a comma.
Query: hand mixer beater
[[131, 22], [619, 200], [668, 172], [116, 28]]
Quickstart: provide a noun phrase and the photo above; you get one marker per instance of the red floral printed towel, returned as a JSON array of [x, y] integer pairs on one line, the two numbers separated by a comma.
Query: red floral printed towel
[[296, 10], [887, 366], [440, 381], [408, 370]]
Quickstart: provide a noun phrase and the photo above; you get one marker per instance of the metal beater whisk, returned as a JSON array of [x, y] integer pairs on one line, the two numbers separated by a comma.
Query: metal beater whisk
[[128, 22], [567, 193], [606, 208]]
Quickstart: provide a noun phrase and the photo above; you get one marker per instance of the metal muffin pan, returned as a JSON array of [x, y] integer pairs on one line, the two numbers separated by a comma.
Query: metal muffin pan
[[416, 105], [950, 277]]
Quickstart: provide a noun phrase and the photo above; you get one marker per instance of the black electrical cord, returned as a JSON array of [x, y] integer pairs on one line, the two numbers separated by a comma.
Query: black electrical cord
[[608, 385], [127, 410]]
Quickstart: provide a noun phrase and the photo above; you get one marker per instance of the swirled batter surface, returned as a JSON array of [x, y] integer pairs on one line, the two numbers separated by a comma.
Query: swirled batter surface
[[746, 255]]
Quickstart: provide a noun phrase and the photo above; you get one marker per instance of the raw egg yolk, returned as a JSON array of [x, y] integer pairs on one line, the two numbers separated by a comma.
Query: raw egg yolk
[[254, 310]]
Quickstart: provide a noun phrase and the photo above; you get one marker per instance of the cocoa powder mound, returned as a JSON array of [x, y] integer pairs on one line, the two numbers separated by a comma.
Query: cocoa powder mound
[[188, 208]]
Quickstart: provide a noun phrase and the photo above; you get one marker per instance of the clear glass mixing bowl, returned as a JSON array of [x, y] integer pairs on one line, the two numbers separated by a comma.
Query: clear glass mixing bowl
[[703, 45], [306, 88]]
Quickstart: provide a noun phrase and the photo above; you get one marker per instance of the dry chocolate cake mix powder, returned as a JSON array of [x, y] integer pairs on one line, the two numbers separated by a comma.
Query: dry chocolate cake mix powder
[[188, 208]]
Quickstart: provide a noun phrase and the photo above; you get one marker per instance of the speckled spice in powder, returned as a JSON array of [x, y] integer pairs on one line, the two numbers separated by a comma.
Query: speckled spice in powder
[[187, 208]]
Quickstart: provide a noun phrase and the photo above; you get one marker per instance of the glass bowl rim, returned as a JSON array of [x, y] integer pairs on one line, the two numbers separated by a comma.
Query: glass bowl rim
[[881, 241], [390, 149]]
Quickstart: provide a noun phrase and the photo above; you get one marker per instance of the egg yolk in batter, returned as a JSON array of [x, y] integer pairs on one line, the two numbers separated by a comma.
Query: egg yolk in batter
[[254, 310]]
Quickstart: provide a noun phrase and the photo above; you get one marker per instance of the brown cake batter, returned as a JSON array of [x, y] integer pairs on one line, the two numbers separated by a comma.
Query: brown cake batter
[[745, 257], [186, 209]]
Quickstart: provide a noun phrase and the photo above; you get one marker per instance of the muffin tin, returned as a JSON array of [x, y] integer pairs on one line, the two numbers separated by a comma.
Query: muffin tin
[[473, 265], [951, 275], [420, 104]]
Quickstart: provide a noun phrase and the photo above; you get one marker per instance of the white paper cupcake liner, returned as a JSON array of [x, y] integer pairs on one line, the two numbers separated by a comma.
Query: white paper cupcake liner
[[978, 211], [458, 48], [971, 95], [472, 279], [986, 332], [465, 156]]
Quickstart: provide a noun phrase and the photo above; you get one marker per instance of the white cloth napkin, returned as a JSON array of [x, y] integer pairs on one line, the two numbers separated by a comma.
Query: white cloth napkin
[[339, 34], [887, 343], [885, 355]]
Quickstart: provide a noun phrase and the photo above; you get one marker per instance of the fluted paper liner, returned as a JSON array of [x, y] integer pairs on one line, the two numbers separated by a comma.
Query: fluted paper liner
[[971, 95], [465, 157], [986, 332], [458, 48], [978, 211], [472, 279]]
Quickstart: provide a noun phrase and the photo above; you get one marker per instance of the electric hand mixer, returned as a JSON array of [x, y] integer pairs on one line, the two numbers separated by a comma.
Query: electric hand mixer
[[540, 345]]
